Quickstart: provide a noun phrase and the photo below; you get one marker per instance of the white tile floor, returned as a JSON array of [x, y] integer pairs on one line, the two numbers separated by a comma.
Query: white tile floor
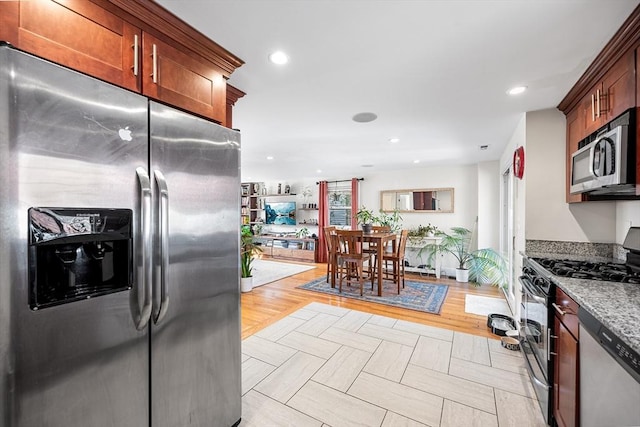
[[329, 366]]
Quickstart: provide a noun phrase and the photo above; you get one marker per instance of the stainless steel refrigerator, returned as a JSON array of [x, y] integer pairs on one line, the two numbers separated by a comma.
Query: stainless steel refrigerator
[[119, 282]]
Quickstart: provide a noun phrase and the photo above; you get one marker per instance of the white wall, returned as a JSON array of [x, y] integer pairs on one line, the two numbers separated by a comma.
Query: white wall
[[489, 205], [463, 179], [548, 216]]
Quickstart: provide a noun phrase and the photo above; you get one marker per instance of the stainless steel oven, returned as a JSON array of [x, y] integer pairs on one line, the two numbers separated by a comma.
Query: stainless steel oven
[[535, 324]]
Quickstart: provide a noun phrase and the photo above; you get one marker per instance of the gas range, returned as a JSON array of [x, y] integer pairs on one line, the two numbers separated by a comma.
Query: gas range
[[606, 271], [628, 272]]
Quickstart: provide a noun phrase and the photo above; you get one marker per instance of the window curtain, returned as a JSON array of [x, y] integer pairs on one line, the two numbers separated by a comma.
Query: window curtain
[[354, 203], [323, 220]]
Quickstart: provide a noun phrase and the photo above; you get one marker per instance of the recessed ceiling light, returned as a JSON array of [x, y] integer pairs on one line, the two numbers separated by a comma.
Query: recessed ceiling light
[[367, 166], [416, 161], [279, 57], [516, 90], [318, 171], [394, 140], [484, 147], [364, 117], [269, 157]]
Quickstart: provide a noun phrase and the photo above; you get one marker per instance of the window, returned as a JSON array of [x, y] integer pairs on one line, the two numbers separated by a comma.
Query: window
[[340, 203]]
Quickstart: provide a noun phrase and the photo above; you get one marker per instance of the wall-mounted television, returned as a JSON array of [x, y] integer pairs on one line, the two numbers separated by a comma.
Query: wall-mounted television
[[280, 213]]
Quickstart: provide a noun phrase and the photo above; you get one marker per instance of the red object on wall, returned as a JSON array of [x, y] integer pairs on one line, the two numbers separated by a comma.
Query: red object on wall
[[518, 162]]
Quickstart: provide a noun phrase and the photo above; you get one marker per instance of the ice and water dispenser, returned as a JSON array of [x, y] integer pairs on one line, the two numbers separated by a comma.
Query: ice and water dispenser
[[76, 254]]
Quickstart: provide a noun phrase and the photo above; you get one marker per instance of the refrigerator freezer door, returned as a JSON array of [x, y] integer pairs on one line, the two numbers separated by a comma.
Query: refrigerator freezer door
[[195, 346], [67, 140]]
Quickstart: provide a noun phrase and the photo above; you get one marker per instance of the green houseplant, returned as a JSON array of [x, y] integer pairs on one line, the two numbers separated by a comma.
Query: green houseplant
[[248, 250], [416, 234], [365, 217], [483, 265], [302, 233], [392, 220]]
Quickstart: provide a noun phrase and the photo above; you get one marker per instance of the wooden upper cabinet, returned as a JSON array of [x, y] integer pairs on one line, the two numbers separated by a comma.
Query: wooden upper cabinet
[[613, 80], [619, 87], [575, 132], [77, 34], [610, 97], [135, 44], [593, 110], [180, 78]]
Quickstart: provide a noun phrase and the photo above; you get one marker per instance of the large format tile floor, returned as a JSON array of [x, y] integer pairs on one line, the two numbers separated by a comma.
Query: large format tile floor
[[330, 366]]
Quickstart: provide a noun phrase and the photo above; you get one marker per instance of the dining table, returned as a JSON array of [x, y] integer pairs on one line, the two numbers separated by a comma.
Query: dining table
[[380, 240]]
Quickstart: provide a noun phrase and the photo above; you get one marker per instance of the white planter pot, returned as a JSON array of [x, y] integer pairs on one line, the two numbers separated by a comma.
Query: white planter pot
[[462, 275], [246, 284]]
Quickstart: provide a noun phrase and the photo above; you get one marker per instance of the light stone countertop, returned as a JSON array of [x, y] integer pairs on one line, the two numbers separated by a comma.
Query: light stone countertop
[[615, 305]]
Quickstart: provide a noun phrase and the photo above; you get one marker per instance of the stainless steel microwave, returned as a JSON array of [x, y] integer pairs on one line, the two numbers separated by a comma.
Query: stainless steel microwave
[[600, 166]]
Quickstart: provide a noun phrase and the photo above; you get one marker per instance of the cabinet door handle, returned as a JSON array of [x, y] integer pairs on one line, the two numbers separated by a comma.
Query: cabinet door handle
[[593, 108], [558, 309], [154, 55], [598, 102], [135, 55]]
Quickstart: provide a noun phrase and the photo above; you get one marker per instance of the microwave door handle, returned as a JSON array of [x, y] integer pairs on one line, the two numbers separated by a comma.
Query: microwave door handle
[[163, 222], [142, 318], [592, 156], [609, 150]]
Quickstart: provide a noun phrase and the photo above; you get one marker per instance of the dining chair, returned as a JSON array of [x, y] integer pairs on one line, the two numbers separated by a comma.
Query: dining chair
[[329, 238], [350, 260], [397, 261], [372, 248]]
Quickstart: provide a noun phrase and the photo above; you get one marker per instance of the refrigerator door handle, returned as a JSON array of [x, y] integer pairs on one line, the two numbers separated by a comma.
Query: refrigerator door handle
[[163, 219], [147, 266]]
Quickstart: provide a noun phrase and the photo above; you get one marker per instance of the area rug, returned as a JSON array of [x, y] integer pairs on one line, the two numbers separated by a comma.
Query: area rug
[[269, 271], [427, 297], [483, 306]]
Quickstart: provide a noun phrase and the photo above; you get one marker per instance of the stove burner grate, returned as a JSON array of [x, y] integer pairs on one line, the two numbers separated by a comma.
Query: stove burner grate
[[607, 271]]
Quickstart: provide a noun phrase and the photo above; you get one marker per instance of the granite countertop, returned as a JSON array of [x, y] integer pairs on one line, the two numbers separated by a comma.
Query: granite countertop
[[615, 305]]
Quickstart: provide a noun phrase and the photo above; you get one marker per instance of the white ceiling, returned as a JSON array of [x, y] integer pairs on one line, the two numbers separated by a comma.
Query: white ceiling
[[435, 72]]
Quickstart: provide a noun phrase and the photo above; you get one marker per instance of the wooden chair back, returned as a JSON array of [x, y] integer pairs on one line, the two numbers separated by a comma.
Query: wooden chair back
[[402, 244], [328, 232], [349, 242]]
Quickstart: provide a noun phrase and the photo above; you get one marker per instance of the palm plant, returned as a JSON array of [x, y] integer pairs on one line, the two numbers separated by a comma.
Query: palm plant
[[484, 265], [248, 250]]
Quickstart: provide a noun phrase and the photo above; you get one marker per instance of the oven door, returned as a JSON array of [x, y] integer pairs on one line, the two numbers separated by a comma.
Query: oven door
[[540, 384], [535, 321], [534, 333]]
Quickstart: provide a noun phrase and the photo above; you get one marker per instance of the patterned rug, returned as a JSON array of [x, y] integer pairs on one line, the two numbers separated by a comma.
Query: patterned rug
[[420, 296]]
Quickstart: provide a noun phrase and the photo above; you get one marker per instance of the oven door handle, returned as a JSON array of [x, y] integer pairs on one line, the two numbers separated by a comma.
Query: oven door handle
[[532, 375], [528, 287]]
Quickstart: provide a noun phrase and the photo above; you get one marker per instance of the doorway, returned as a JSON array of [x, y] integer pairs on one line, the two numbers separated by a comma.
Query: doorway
[[507, 236]]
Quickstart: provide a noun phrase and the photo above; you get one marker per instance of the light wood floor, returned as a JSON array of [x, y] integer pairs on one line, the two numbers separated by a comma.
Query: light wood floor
[[267, 304]]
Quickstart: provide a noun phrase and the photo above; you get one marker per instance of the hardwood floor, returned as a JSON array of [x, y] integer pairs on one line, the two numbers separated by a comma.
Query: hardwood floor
[[267, 304]]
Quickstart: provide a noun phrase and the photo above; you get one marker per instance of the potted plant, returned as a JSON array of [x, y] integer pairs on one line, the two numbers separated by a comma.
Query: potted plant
[[484, 265], [365, 218], [392, 220], [302, 233], [248, 250], [417, 234]]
